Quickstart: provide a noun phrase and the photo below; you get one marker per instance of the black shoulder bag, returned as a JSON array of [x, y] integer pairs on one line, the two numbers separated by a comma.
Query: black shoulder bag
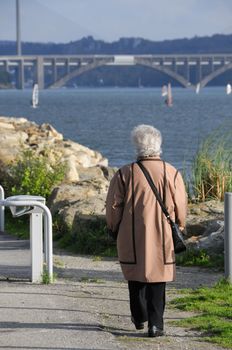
[[178, 242]]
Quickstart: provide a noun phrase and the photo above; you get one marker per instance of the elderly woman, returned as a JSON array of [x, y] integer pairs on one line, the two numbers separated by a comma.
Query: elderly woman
[[144, 238]]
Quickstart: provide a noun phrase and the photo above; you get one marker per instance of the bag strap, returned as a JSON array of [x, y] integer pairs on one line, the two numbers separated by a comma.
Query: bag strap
[[154, 189]]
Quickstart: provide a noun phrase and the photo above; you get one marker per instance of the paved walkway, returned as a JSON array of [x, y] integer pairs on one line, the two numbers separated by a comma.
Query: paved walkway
[[86, 308]]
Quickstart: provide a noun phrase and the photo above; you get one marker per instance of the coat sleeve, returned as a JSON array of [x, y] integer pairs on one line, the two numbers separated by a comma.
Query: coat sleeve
[[180, 201], [115, 202]]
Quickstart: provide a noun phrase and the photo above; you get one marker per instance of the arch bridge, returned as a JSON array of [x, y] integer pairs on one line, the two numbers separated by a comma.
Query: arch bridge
[[62, 68]]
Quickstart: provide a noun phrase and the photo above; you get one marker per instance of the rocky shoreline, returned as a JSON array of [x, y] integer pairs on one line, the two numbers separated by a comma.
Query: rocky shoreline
[[82, 194]]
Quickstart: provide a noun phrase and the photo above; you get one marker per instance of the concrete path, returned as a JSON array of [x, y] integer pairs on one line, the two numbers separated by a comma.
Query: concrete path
[[86, 308]]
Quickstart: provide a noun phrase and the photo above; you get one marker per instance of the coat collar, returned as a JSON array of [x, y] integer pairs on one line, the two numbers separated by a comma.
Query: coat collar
[[149, 158]]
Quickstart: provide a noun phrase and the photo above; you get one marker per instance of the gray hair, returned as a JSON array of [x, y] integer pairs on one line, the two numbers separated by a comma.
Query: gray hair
[[147, 140]]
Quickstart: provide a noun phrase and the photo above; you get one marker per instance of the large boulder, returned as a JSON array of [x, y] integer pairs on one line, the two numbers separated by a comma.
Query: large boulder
[[79, 204], [205, 226]]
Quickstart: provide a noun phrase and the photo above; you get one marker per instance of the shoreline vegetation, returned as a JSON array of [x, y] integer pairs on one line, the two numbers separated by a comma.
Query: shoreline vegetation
[[33, 173], [212, 168]]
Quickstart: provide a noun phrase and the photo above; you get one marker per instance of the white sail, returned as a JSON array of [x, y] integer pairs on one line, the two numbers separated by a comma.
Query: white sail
[[198, 88], [35, 96], [164, 91], [168, 100], [228, 89]]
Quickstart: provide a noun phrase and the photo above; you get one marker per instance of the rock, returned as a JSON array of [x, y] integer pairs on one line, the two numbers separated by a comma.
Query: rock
[[72, 173], [17, 134], [205, 226], [11, 140], [4, 125], [85, 199], [213, 241]]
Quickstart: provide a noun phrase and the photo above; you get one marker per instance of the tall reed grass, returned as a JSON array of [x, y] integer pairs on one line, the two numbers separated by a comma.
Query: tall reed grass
[[212, 168]]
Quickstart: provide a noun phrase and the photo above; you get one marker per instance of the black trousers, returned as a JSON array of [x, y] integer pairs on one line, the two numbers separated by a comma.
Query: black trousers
[[147, 302]]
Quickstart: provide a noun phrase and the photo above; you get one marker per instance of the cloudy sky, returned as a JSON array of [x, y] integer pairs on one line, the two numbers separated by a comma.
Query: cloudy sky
[[66, 20]]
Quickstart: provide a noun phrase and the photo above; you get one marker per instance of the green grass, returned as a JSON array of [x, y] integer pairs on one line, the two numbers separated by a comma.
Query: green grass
[[46, 279], [86, 279], [211, 168], [200, 258], [214, 312]]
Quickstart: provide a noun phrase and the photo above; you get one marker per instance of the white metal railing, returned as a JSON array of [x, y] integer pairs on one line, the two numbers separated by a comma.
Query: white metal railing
[[2, 210], [228, 235], [31, 206]]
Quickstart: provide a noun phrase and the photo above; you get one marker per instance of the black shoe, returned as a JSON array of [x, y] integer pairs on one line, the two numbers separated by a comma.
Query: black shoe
[[153, 331], [138, 325]]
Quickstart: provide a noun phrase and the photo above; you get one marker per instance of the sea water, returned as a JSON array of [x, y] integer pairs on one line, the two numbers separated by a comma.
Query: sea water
[[103, 118]]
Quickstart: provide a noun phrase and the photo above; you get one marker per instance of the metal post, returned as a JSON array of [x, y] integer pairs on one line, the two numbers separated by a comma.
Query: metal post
[[48, 227], [18, 28], [46, 258], [36, 245], [2, 210], [228, 235]]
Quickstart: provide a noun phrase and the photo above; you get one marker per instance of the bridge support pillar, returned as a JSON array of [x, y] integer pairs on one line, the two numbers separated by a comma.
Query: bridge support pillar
[[6, 66], [20, 74], [174, 65], [67, 66], [198, 71], [40, 72], [54, 70], [211, 65], [187, 76]]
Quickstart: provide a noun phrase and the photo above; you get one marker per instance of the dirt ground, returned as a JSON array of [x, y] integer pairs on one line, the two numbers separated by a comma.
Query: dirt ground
[[86, 308]]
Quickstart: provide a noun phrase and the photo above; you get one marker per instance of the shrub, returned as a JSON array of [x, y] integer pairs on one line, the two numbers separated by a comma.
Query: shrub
[[34, 174], [90, 237]]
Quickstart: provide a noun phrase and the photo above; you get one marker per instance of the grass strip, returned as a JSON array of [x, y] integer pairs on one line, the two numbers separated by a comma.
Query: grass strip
[[214, 308]]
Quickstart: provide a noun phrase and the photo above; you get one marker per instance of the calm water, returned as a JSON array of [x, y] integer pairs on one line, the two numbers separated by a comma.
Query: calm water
[[102, 119]]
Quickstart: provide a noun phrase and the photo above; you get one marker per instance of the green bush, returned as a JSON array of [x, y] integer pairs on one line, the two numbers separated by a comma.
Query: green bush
[[34, 174]]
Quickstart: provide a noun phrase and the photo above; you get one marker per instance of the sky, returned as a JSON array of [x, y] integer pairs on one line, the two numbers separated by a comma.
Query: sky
[[109, 20]]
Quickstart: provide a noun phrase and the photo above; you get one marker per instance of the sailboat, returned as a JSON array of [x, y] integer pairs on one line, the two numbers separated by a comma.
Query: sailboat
[[169, 100], [35, 96], [228, 89], [164, 91], [198, 88]]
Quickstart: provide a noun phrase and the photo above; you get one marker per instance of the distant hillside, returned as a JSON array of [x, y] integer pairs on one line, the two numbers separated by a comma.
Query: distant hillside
[[124, 75], [217, 43]]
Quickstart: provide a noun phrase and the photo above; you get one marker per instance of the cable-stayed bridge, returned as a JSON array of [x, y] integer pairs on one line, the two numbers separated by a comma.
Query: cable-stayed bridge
[[62, 68]]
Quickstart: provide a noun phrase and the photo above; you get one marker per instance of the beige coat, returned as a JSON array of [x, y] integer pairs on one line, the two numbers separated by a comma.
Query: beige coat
[[144, 242]]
